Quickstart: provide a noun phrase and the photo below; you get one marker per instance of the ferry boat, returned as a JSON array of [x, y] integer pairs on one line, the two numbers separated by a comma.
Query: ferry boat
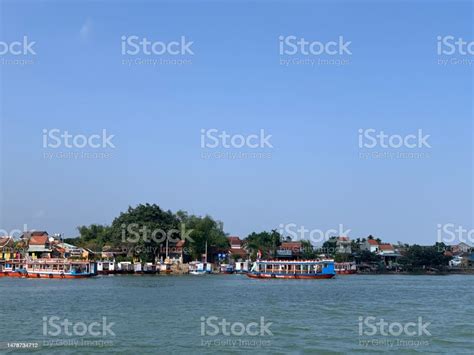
[[297, 269], [12, 268], [49, 269], [346, 268]]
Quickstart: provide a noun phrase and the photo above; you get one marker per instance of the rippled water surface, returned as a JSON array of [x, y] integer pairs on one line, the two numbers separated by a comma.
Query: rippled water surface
[[162, 314]]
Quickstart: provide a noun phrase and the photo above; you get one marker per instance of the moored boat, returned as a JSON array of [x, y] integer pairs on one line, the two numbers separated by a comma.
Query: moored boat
[[49, 268], [297, 269], [226, 269], [200, 268], [347, 268]]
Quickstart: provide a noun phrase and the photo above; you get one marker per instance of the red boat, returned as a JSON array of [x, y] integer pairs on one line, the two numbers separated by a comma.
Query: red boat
[[47, 269], [347, 268]]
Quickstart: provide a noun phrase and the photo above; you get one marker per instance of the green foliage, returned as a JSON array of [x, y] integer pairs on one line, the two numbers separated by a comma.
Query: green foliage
[[417, 257], [142, 230], [329, 247], [266, 242]]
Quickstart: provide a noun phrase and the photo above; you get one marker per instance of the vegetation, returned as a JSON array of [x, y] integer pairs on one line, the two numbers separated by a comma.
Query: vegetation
[[142, 230]]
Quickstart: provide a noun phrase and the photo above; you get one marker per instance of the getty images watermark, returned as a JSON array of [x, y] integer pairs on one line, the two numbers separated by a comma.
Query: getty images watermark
[[137, 50], [61, 144], [377, 144], [63, 332], [222, 333], [219, 144], [454, 50], [295, 50], [377, 332], [17, 52]]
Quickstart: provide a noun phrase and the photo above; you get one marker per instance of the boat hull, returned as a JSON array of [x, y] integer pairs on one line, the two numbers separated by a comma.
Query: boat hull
[[43, 276], [288, 276]]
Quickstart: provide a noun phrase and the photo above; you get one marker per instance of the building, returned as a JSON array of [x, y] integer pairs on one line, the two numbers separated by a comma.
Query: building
[[290, 250], [461, 248], [175, 252], [6, 248], [39, 245], [389, 254], [343, 245], [237, 251], [370, 245]]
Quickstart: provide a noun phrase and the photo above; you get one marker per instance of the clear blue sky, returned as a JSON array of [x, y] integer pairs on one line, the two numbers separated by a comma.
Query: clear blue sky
[[235, 83]]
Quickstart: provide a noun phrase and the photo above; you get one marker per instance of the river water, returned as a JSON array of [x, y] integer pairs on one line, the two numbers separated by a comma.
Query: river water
[[234, 314]]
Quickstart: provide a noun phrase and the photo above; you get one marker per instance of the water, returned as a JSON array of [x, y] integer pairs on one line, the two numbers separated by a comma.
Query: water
[[162, 314]]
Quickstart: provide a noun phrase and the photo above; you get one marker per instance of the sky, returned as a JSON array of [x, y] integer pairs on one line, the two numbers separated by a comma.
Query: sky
[[236, 78]]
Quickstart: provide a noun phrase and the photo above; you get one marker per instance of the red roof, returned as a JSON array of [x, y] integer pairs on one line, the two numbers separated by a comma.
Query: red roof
[[38, 233], [39, 240], [234, 240], [343, 238], [238, 251], [180, 243], [372, 242], [291, 245], [386, 246]]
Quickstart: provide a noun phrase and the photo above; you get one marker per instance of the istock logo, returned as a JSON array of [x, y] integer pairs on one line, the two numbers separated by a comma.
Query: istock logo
[[373, 326], [314, 235], [212, 326], [292, 45], [134, 232], [25, 47], [54, 326], [135, 45], [450, 45], [213, 138], [56, 138], [371, 138], [449, 233]]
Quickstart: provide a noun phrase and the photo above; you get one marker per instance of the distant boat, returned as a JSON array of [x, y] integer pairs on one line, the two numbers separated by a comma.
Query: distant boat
[[297, 269], [200, 268], [346, 268], [226, 269]]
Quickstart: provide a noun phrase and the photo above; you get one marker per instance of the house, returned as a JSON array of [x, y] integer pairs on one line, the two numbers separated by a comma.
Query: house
[[65, 250], [461, 248], [6, 248], [173, 252], [370, 245], [39, 245], [389, 254], [237, 251], [343, 245], [292, 250]]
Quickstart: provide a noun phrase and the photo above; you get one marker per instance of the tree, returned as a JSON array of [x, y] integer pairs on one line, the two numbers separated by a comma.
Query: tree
[[267, 242], [205, 230]]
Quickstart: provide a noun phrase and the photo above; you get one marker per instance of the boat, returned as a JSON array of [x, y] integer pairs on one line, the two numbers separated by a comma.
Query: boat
[[226, 269], [150, 268], [200, 268], [49, 269], [295, 269], [12, 268], [347, 268], [106, 267]]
